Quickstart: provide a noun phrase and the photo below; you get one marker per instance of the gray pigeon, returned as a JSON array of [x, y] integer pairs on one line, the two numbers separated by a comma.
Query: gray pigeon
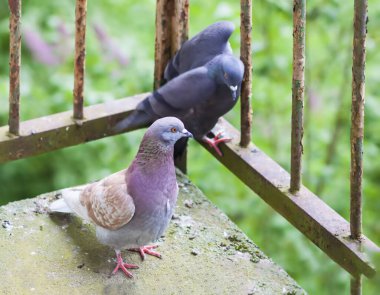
[[197, 97], [132, 207], [200, 49]]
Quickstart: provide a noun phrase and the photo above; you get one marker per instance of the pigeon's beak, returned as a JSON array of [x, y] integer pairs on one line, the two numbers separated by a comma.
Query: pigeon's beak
[[234, 91], [186, 133]]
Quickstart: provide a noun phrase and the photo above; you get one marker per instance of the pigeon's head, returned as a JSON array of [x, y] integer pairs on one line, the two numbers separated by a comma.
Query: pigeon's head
[[232, 71], [168, 130]]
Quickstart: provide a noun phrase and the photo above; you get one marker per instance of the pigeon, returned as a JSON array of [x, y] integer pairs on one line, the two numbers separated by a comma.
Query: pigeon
[[200, 49], [132, 208], [198, 97]]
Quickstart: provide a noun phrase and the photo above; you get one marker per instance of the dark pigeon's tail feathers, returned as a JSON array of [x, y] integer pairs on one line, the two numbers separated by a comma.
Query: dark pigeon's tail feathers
[[134, 121], [150, 109]]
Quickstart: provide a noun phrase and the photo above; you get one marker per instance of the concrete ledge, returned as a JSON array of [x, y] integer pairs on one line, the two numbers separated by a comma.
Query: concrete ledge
[[203, 253]]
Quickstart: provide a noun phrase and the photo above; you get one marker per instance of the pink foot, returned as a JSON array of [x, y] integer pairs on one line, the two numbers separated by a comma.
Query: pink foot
[[146, 249], [213, 143], [123, 266]]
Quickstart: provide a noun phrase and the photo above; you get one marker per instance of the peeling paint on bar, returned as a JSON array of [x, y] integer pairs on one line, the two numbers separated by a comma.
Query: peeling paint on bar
[[14, 65], [299, 23], [179, 25], [357, 127], [246, 57], [80, 57], [162, 52], [357, 115], [172, 29]]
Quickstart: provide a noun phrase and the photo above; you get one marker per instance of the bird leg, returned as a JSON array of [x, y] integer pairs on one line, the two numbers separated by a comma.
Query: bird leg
[[213, 142], [123, 266], [146, 250]]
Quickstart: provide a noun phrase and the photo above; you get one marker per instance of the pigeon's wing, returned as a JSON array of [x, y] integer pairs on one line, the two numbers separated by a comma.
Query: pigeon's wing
[[107, 202], [175, 98], [200, 49], [213, 39], [181, 94], [172, 68]]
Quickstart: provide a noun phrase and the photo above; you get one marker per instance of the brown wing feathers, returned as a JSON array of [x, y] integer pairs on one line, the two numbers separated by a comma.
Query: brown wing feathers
[[108, 203]]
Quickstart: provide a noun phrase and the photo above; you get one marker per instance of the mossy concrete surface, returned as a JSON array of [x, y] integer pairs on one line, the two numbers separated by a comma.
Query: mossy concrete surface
[[203, 253]]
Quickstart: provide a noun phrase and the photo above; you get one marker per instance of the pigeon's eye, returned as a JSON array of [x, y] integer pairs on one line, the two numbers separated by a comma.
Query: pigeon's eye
[[173, 130]]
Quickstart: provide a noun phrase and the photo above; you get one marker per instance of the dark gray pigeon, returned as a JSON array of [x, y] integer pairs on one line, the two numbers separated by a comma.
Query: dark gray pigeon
[[200, 49], [197, 97], [132, 207]]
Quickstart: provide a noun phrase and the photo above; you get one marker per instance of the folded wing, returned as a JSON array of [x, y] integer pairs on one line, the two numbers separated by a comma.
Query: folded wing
[[107, 202], [175, 98], [200, 49]]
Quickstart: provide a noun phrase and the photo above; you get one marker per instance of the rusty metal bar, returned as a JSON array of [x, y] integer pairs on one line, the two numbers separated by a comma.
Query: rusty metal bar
[[357, 116], [179, 25], [179, 34], [306, 211], [80, 57], [60, 130], [246, 57], [356, 285], [164, 13], [14, 65], [299, 23]]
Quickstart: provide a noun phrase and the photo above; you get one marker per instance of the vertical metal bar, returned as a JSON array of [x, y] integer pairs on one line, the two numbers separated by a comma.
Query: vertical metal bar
[[356, 285], [14, 65], [164, 13], [80, 56], [179, 34], [299, 24], [179, 25], [357, 115], [246, 57]]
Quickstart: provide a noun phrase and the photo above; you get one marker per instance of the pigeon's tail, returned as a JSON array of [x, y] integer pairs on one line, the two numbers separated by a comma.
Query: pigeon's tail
[[70, 203], [180, 147], [60, 206], [134, 121]]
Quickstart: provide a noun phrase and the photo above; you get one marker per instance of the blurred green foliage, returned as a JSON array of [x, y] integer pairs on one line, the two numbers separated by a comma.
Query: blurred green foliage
[[47, 89]]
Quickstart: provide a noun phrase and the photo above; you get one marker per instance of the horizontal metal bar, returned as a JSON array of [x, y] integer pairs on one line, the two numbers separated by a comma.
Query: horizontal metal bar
[[60, 130], [308, 213]]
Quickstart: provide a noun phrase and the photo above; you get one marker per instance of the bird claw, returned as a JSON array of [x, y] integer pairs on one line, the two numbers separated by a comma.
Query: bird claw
[[214, 142], [123, 266], [146, 250]]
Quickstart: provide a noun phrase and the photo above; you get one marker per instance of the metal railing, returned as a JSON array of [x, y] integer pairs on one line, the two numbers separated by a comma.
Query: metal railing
[[80, 57], [172, 18]]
